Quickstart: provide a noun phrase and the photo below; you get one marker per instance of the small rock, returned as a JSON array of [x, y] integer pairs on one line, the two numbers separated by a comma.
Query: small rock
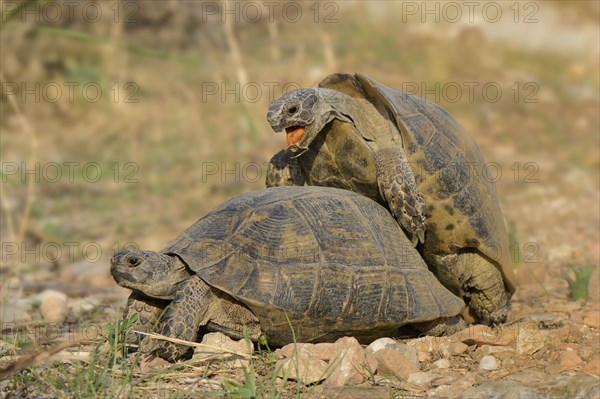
[[349, 364], [422, 378], [457, 348], [409, 352], [592, 318], [220, 346], [568, 334], [593, 366], [53, 307], [480, 335], [391, 362], [324, 350], [530, 340], [568, 359], [288, 350], [427, 346], [379, 344], [219, 340], [526, 337], [488, 363], [442, 363], [304, 366]]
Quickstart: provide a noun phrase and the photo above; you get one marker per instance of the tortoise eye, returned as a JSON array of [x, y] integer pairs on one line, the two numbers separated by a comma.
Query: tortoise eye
[[133, 261], [292, 110]]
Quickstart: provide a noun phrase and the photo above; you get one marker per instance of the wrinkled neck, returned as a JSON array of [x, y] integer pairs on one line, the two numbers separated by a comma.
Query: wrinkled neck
[[178, 272]]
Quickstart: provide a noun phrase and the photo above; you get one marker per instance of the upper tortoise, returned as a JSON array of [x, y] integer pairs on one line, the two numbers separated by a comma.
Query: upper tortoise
[[354, 133], [321, 261]]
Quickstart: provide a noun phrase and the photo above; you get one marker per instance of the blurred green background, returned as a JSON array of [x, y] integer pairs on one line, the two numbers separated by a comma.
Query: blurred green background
[[167, 101]]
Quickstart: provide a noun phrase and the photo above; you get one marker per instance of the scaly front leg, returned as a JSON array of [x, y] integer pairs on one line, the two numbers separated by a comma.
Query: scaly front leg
[[284, 170], [190, 309], [147, 310], [398, 187]]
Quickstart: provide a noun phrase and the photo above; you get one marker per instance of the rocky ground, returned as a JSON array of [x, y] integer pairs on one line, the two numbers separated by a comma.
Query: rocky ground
[[549, 348]]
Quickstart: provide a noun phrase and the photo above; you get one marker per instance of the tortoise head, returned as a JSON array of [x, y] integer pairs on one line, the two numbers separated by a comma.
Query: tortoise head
[[151, 273], [303, 113]]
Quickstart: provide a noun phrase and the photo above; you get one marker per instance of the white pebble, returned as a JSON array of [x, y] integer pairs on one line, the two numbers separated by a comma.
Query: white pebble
[[53, 306], [379, 344], [442, 363], [488, 363]]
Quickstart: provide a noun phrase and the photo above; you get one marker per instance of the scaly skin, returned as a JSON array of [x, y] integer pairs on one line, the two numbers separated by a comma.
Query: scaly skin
[[397, 185], [475, 279], [196, 304], [147, 310], [183, 318], [283, 170]]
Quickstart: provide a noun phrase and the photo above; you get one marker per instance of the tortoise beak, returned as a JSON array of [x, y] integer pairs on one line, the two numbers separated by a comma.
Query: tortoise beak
[[122, 276], [275, 121]]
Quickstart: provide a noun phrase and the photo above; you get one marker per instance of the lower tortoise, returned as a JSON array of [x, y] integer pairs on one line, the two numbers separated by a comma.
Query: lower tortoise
[[315, 262]]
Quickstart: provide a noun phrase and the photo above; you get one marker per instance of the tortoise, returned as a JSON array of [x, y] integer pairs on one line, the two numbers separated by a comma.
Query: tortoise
[[354, 133], [305, 263]]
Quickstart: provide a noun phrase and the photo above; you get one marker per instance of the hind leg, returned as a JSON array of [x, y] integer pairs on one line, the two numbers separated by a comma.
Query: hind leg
[[477, 280], [485, 289]]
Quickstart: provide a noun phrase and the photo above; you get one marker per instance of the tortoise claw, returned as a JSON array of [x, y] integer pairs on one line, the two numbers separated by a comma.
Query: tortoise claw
[[421, 234]]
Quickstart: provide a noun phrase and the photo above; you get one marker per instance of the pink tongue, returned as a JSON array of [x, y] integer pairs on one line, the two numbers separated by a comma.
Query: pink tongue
[[293, 134]]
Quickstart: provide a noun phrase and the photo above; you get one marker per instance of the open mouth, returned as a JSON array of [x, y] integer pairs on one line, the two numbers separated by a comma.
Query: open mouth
[[293, 134]]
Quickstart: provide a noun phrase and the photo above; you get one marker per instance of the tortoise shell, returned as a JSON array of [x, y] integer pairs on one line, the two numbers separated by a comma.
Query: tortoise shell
[[325, 261]]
